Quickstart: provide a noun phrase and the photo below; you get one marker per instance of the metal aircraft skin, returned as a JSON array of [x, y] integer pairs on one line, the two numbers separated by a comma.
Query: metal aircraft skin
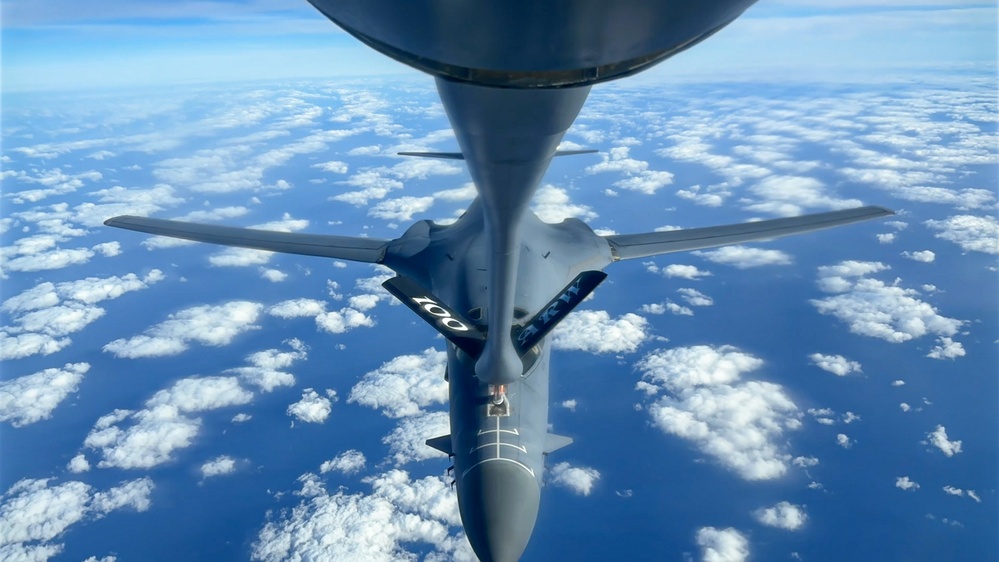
[[512, 76]]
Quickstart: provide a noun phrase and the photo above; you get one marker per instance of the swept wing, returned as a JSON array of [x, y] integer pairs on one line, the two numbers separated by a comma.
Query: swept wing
[[369, 250], [631, 246]]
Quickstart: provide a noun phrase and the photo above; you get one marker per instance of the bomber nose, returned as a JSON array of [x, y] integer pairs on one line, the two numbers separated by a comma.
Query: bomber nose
[[499, 502]]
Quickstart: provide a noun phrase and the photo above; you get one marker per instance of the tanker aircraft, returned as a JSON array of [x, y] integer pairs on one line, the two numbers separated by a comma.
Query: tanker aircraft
[[512, 76]]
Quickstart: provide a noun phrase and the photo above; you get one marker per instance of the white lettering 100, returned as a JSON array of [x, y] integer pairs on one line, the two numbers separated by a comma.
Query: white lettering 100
[[443, 315]]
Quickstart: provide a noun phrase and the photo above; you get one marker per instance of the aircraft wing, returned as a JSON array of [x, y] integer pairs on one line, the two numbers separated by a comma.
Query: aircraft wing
[[369, 250], [631, 246]]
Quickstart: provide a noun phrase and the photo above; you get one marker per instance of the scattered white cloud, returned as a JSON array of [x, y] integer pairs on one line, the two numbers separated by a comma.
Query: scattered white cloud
[[594, 331], [219, 466], [678, 270], [843, 441], [404, 386], [876, 309], [953, 491], [264, 369], [407, 441], [722, 545], [783, 515], [34, 514], [552, 205], [78, 464], [312, 408], [31, 398], [273, 275], [401, 208], [376, 527], [971, 233], [347, 462], [794, 195], [835, 364], [333, 166], [333, 322], [43, 315], [805, 462], [150, 436], [743, 257], [946, 348], [209, 325], [668, 306], [906, 484], [580, 480], [938, 438], [569, 404], [704, 401], [695, 297], [886, 238], [925, 256]]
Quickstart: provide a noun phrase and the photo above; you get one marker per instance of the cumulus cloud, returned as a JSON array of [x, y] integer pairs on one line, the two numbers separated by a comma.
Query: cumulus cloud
[[835, 364], [31, 398], [333, 322], [219, 466], [697, 395], [209, 325], [401, 209], [783, 515], [347, 462], [677, 270], [904, 483], [273, 275], [938, 438], [794, 195], [378, 527], [843, 440], [578, 479], [34, 514], [743, 257], [265, 367], [149, 437], [722, 545], [695, 297], [78, 464], [407, 441], [552, 205], [668, 306], [925, 256], [946, 348], [638, 175], [312, 408], [971, 233], [953, 491], [594, 331], [876, 309], [165, 425], [404, 386], [42, 316]]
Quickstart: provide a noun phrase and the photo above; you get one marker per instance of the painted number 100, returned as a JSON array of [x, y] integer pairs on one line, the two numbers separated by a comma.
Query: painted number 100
[[442, 314]]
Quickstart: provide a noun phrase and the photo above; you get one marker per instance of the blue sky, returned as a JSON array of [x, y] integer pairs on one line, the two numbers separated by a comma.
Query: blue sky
[[59, 44]]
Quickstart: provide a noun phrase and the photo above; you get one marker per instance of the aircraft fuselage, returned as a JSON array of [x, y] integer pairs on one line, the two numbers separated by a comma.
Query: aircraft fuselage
[[498, 449]]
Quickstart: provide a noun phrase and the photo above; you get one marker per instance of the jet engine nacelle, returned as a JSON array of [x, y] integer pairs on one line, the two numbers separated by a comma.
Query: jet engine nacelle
[[531, 44]]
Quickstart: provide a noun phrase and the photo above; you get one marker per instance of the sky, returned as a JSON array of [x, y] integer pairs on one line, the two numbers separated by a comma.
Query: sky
[[824, 397], [60, 44]]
